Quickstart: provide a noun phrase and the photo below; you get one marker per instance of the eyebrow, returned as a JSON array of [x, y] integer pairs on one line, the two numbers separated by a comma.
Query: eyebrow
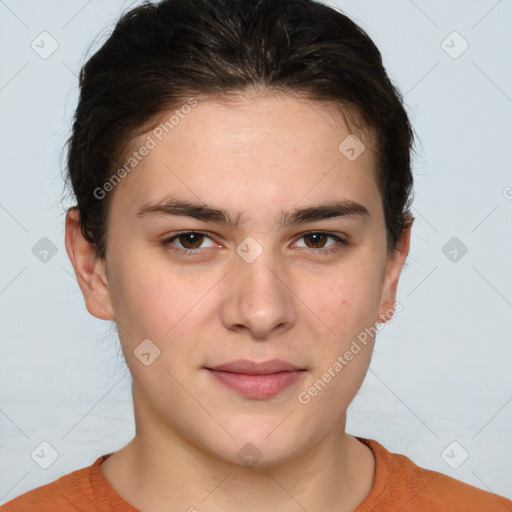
[[176, 207]]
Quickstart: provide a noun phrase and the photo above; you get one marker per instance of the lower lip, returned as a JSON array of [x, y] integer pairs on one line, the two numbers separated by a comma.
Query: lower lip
[[257, 386]]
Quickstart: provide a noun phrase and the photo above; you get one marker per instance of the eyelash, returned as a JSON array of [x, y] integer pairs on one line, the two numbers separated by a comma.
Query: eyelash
[[194, 252]]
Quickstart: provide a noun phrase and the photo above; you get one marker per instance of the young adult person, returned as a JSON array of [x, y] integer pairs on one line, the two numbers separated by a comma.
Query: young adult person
[[243, 184]]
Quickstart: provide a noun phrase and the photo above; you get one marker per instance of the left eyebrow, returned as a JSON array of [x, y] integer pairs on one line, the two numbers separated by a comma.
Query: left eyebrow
[[175, 207], [345, 208]]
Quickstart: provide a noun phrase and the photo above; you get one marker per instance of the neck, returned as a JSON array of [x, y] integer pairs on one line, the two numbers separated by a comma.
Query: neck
[[159, 467]]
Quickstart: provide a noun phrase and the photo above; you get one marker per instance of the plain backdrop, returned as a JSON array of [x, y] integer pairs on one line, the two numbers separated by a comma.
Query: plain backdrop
[[439, 388]]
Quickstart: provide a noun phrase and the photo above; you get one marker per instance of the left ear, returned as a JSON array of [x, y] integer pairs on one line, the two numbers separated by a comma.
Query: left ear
[[396, 260]]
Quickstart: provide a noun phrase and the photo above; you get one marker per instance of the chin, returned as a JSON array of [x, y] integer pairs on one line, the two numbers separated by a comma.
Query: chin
[[263, 442]]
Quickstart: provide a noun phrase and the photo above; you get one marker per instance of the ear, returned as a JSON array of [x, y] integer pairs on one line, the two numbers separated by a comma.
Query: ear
[[396, 260], [89, 269]]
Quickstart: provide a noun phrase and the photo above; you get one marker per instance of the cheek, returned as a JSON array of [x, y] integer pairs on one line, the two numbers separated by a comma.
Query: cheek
[[349, 299], [349, 307], [141, 302], [153, 304], [155, 298]]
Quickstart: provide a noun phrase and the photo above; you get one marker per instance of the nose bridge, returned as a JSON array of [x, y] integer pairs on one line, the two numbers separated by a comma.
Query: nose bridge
[[257, 299]]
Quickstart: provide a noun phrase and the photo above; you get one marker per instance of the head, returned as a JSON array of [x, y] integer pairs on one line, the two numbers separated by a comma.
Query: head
[[274, 132]]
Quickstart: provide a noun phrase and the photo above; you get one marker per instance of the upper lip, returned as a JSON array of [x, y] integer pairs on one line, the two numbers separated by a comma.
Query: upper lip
[[253, 368]]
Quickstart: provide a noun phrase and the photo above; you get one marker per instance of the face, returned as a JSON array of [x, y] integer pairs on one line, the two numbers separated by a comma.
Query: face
[[292, 292]]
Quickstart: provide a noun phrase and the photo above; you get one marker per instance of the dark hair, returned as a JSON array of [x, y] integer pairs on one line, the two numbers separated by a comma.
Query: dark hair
[[160, 54]]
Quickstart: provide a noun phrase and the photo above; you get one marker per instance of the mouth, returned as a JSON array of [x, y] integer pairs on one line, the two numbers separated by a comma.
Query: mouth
[[256, 380]]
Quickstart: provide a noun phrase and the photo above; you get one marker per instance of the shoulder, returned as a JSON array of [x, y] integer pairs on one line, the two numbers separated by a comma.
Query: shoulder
[[424, 489], [403, 485], [69, 493]]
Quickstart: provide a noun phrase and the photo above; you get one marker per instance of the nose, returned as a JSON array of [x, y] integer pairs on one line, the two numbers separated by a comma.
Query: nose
[[258, 299]]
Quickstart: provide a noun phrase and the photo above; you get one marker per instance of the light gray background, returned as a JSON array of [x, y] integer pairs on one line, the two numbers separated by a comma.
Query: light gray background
[[441, 371]]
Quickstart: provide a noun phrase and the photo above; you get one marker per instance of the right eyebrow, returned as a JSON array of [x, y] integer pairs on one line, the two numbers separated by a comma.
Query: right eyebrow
[[179, 208]]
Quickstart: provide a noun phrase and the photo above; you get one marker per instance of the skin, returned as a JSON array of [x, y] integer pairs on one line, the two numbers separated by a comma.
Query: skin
[[260, 155]]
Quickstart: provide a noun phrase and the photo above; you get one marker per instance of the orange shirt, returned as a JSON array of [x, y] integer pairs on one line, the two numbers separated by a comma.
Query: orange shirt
[[400, 485]]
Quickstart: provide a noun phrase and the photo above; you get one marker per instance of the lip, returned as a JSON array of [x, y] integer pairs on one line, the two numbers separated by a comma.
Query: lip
[[252, 368], [257, 380]]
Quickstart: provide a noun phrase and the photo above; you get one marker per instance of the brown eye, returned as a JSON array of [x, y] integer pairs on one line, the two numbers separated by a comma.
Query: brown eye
[[317, 240], [190, 240]]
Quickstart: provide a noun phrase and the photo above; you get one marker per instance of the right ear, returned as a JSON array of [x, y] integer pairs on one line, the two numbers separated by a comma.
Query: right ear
[[89, 269]]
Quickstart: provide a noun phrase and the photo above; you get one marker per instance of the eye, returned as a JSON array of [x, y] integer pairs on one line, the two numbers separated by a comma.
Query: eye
[[190, 240], [318, 238]]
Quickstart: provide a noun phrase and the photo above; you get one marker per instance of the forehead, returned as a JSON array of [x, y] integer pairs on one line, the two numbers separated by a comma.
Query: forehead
[[252, 150]]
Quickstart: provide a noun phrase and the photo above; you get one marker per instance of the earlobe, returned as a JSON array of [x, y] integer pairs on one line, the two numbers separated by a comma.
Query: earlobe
[[394, 268], [89, 269]]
